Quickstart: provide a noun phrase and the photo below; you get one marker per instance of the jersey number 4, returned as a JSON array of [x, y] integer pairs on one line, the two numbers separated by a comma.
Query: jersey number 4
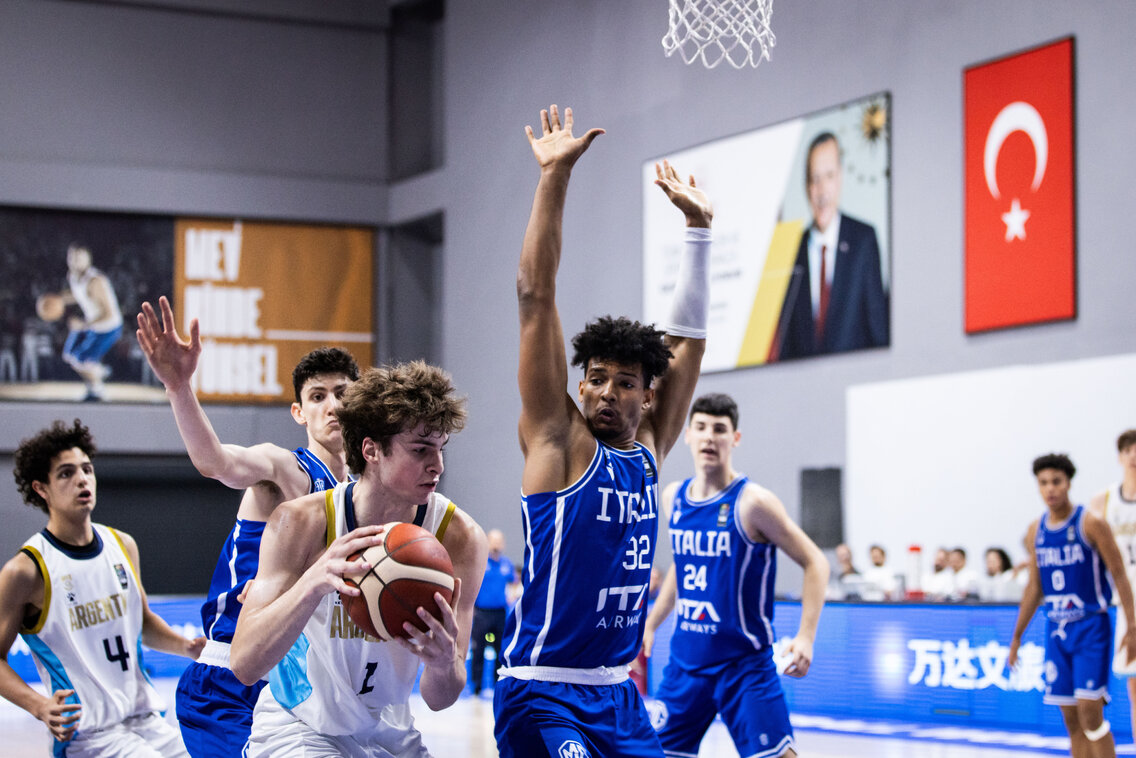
[[121, 657]]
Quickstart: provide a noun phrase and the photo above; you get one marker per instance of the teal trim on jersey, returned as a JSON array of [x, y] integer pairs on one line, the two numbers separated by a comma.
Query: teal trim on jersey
[[138, 661], [59, 680], [288, 679]]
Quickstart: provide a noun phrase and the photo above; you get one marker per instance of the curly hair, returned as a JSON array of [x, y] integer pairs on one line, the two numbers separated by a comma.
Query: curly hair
[[624, 341], [323, 360], [1058, 461], [34, 456], [716, 404], [389, 400]]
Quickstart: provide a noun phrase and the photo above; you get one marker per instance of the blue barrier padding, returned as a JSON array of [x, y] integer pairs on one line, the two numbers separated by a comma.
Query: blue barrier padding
[[922, 663]]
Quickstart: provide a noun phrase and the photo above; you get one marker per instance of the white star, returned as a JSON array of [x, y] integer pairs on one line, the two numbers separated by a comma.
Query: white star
[[1015, 220]]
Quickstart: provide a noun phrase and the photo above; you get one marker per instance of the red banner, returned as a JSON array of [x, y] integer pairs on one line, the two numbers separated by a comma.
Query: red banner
[[1020, 206]]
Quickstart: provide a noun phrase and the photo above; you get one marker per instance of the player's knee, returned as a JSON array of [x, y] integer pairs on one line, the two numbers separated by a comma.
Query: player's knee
[[1098, 734]]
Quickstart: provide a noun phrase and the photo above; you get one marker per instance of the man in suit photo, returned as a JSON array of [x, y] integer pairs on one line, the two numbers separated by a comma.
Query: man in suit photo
[[836, 299]]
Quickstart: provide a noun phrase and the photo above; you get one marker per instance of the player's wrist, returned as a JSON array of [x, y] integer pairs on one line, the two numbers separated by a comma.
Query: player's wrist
[[699, 220]]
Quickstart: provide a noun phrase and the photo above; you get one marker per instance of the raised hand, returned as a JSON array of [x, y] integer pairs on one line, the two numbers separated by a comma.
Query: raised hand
[[172, 358], [556, 145], [685, 196]]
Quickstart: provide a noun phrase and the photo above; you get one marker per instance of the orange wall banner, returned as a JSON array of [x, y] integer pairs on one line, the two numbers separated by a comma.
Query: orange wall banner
[[265, 294]]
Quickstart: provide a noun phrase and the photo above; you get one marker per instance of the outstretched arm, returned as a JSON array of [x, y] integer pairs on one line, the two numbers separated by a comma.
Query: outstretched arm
[[543, 373], [294, 574], [686, 327], [173, 360], [664, 604], [665, 601], [21, 590], [764, 517], [1031, 597], [156, 633]]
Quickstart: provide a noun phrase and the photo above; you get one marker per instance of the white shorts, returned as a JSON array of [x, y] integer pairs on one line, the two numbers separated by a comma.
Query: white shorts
[[277, 733], [1119, 666], [145, 736]]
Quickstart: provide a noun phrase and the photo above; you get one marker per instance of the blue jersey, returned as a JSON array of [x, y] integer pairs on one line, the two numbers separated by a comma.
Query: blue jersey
[[724, 607], [1073, 577], [240, 556], [588, 551]]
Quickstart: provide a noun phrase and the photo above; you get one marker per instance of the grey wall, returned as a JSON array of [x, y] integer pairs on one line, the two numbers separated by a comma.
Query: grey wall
[[237, 108], [142, 109], [605, 59]]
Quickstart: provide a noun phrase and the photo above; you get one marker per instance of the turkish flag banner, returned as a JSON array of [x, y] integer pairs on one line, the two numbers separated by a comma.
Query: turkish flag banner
[[1020, 206]]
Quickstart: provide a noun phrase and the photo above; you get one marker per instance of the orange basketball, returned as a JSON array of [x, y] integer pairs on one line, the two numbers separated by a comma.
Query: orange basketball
[[407, 568], [49, 307]]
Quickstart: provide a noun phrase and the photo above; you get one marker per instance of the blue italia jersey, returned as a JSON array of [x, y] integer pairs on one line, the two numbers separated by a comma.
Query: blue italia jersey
[[1073, 578], [724, 606], [240, 556], [588, 551]]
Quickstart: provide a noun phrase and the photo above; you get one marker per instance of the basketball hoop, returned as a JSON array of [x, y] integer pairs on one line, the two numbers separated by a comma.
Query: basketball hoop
[[737, 31]]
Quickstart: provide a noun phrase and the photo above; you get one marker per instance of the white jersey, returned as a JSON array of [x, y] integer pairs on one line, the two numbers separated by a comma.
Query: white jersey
[[81, 290], [337, 679], [1121, 516], [88, 637]]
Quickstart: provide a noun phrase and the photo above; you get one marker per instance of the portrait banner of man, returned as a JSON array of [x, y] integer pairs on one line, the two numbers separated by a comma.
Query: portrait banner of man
[[801, 263]]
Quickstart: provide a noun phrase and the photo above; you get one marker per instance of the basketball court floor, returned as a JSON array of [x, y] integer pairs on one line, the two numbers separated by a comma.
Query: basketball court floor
[[466, 731]]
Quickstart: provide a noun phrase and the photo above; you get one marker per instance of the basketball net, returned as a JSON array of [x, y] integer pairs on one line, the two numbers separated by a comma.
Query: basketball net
[[737, 31]]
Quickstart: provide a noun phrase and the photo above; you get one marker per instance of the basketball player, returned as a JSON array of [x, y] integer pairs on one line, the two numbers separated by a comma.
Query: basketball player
[[590, 487], [74, 593], [213, 708], [1117, 506], [725, 533], [91, 337], [1070, 548], [333, 690]]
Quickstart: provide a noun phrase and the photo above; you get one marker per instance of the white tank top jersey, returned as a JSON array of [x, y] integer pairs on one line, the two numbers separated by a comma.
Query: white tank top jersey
[[80, 289], [88, 637], [337, 679], [1121, 516]]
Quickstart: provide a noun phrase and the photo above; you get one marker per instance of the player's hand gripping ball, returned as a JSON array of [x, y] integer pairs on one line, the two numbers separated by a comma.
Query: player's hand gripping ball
[[49, 307], [407, 568]]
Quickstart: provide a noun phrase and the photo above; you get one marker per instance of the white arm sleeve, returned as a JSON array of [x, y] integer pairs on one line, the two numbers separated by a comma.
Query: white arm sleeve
[[692, 290]]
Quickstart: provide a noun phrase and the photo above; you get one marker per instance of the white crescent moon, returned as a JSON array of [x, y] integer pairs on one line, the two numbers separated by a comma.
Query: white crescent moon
[[1017, 116]]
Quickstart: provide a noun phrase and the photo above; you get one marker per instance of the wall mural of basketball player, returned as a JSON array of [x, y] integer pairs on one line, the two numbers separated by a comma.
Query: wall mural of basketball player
[[69, 275], [91, 335]]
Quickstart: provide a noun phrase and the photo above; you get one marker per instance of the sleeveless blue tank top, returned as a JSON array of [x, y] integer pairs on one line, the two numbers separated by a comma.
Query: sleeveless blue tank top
[[588, 552], [240, 556], [1073, 577], [724, 606]]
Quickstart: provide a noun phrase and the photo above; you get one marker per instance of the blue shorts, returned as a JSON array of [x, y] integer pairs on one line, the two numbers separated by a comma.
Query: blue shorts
[[1078, 657], [214, 711], [85, 346], [748, 695], [557, 720]]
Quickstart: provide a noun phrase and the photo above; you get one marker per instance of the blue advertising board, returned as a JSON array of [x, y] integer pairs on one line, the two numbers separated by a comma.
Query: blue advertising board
[[923, 663]]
